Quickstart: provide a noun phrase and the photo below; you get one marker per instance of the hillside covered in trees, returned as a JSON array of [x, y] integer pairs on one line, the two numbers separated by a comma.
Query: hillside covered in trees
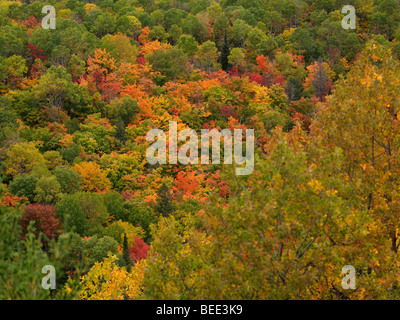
[[77, 192]]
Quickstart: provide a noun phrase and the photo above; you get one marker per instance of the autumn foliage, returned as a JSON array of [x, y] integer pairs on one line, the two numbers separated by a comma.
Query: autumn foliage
[[76, 106], [138, 250], [45, 220]]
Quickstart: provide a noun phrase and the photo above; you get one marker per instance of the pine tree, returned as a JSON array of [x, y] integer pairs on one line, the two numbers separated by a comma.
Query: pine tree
[[126, 256], [164, 206], [120, 132], [224, 54]]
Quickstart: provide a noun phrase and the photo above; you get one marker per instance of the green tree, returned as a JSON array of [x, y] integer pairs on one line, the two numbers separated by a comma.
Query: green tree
[[188, 44], [72, 215], [130, 25], [115, 206], [237, 58], [58, 91], [164, 206], [71, 152], [95, 249], [47, 190], [220, 28], [294, 88], [13, 70], [120, 132], [95, 211], [60, 55], [303, 42], [207, 56], [239, 32], [104, 24], [125, 109], [285, 64], [267, 46], [12, 41], [75, 37], [53, 159], [175, 271], [158, 33], [157, 16], [192, 26], [46, 40], [86, 211], [224, 54], [254, 38], [174, 16], [175, 33], [24, 185], [40, 170], [126, 256], [69, 180], [139, 214], [8, 125], [27, 107], [170, 62], [76, 66]]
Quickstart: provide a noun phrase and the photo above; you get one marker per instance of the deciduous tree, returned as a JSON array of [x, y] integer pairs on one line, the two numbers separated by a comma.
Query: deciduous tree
[[93, 177]]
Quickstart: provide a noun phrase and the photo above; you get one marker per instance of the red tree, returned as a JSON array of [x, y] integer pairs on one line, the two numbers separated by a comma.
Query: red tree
[[256, 78], [45, 218], [35, 53], [138, 250], [31, 22], [224, 190], [228, 111], [261, 63]]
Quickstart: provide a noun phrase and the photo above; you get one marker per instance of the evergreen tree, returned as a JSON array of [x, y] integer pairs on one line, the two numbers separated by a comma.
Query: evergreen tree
[[224, 54], [120, 132], [294, 88], [126, 256], [164, 206]]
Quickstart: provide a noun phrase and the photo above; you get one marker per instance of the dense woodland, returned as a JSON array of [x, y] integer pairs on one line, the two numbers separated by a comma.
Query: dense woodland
[[77, 192]]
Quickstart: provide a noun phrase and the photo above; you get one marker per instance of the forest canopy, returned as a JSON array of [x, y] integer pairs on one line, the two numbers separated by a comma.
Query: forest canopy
[[78, 193]]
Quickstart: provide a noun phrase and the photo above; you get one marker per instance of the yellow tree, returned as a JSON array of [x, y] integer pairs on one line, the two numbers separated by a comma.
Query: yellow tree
[[21, 158], [107, 281], [362, 119], [272, 238], [93, 177], [120, 48], [175, 263], [117, 229], [284, 233]]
